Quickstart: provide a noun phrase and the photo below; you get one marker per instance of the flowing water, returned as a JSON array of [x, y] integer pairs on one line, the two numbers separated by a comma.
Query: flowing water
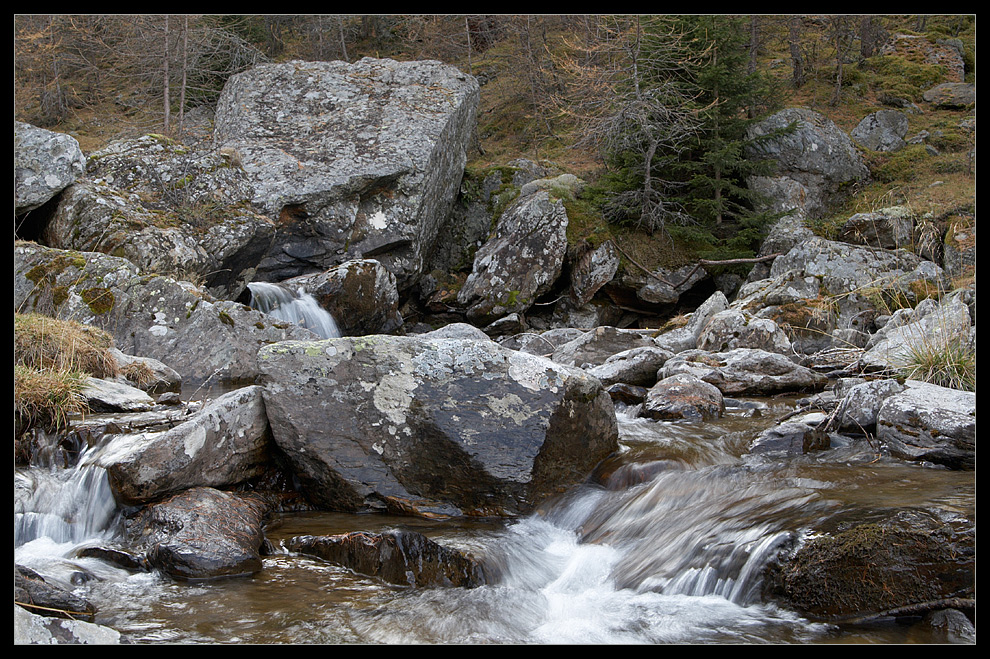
[[297, 307], [666, 548]]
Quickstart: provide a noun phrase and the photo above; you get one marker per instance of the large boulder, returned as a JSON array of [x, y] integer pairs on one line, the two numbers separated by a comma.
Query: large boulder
[[429, 425], [45, 163], [520, 262], [148, 315], [227, 442], [815, 162], [358, 160], [168, 210]]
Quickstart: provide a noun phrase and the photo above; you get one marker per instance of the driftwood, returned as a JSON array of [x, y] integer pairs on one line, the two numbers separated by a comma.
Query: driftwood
[[700, 263]]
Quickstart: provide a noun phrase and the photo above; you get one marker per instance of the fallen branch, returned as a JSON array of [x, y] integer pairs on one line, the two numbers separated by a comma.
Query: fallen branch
[[700, 263]]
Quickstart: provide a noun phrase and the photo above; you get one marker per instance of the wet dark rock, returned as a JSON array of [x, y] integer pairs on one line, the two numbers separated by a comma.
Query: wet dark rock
[[45, 599], [361, 295], [788, 439], [905, 561], [405, 558], [627, 394], [202, 533]]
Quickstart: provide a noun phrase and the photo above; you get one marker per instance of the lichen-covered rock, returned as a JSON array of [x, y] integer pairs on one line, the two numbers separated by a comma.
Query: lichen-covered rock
[[815, 162], [861, 404], [595, 347], [745, 371], [520, 262], [686, 337], [921, 334], [732, 328], [683, 396], [592, 270], [111, 396], [822, 285], [225, 443], [352, 160], [889, 228], [219, 247], [432, 425], [405, 558], [148, 315], [926, 422], [32, 629], [636, 366], [951, 95], [45, 163], [882, 131]]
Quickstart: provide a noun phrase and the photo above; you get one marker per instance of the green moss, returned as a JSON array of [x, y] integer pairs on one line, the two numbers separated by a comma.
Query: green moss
[[99, 300], [225, 318]]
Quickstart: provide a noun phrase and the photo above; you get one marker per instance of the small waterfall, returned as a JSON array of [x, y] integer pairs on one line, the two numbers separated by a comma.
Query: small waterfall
[[57, 511], [299, 308]]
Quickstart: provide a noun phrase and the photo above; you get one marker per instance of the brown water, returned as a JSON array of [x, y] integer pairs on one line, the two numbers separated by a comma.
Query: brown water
[[669, 554]]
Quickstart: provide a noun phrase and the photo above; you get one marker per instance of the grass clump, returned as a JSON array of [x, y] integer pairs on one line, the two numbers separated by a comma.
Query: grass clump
[[45, 343], [52, 359], [946, 361], [46, 398]]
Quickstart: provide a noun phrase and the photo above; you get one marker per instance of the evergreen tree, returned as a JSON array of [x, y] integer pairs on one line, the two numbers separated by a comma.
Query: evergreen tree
[[716, 168]]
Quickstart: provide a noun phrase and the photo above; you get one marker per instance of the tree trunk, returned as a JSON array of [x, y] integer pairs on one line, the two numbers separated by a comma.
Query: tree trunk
[[165, 77], [797, 60]]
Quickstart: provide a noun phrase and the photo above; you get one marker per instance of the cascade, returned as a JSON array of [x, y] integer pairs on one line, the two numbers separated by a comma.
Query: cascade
[[299, 308]]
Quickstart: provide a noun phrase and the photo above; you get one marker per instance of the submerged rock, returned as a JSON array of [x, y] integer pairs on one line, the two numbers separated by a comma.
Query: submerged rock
[[908, 561], [405, 558], [432, 425]]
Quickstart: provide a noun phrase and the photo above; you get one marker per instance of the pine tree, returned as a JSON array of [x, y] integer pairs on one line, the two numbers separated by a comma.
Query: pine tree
[[716, 168]]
